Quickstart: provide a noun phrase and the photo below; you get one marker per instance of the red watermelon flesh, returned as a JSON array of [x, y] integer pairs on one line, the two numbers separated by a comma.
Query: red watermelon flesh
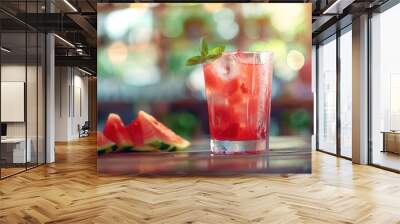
[[135, 132], [115, 130], [104, 145], [156, 135]]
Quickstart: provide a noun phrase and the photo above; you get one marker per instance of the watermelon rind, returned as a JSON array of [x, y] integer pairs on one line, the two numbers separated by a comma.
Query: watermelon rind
[[107, 149], [162, 146], [153, 146], [157, 146], [105, 145]]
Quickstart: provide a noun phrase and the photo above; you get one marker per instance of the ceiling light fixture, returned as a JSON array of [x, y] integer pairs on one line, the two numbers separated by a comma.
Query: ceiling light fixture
[[337, 7], [70, 5], [5, 50], [84, 71], [64, 40], [80, 51]]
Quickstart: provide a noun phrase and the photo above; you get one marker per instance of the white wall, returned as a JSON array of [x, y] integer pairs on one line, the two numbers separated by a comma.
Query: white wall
[[61, 103], [71, 93], [80, 100]]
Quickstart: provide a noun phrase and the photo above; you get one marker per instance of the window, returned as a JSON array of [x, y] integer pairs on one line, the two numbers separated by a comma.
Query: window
[[327, 96], [385, 89], [346, 93]]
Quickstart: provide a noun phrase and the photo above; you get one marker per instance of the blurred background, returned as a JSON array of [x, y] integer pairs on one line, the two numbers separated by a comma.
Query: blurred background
[[143, 48]]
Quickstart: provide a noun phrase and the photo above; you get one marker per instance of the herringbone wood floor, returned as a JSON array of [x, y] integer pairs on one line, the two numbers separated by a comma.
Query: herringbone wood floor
[[70, 191]]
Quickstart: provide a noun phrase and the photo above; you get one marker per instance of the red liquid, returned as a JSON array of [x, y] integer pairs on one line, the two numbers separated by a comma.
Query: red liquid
[[238, 103]]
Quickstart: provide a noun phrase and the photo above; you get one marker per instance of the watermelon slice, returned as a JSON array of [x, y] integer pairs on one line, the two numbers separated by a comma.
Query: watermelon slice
[[135, 132], [156, 136], [104, 145], [136, 135], [115, 130]]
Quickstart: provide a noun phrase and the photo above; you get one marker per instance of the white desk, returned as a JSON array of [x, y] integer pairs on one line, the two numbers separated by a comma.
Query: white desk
[[18, 153]]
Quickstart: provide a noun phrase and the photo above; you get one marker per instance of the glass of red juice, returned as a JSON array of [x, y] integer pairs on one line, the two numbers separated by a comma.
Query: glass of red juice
[[238, 89]]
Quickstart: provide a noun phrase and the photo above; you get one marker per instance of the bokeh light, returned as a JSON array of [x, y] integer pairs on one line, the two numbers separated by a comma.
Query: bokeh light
[[289, 21], [119, 23], [135, 76], [225, 14], [214, 7], [227, 28], [173, 23], [117, 52], [196, 83], [143, 5], [295, 60]]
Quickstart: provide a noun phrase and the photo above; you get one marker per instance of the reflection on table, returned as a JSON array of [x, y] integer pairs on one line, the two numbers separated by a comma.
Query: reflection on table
[[286, 155]]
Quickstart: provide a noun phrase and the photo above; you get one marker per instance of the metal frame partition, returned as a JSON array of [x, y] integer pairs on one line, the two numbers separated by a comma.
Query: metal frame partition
[[369, 91], [338, 100], [35, 74]]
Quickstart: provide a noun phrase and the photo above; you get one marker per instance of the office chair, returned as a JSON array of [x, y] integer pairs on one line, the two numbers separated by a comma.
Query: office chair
[[84, 130]]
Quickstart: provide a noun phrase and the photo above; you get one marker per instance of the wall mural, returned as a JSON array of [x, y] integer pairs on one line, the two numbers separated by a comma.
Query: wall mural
[[195, 88]]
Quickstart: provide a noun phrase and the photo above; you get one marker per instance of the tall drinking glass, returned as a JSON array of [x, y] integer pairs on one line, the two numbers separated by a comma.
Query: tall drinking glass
[[238, 88]]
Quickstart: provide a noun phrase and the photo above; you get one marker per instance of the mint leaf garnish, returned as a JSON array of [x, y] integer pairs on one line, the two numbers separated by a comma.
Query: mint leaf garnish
[[204, 48], [194, 60], [206, 54], [216, 52]]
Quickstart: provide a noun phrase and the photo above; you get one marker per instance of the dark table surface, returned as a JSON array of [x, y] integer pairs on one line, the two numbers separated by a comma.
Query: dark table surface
[[286, 155]]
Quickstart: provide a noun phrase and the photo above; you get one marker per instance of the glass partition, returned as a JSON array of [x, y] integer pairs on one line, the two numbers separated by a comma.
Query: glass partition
[[346, 93], [13, 105], [327, 96], [31, 99], [22, 90]]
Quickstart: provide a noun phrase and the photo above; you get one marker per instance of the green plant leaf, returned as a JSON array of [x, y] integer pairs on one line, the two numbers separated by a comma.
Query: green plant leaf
[[194, 60]]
